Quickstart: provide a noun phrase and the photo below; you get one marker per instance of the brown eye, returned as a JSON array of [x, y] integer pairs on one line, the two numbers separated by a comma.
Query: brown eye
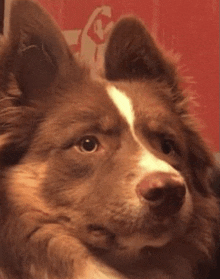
[[167, 146], [88, 144]]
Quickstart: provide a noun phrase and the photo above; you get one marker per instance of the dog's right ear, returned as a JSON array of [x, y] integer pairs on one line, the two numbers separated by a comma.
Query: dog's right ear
[[37, 54]]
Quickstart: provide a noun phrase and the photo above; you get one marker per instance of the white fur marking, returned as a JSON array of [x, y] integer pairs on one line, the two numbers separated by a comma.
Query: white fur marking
[[153, 164], [148, 161], [123, 103], [96, 270]]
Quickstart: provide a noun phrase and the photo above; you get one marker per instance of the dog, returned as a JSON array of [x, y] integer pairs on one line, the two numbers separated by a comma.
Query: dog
[[103, 175]]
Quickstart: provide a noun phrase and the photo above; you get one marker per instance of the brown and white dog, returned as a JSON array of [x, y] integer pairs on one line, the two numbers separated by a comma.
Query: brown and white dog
[[102, 177]]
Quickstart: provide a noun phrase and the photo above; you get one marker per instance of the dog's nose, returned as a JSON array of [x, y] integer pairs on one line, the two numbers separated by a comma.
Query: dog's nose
[[164, 192]]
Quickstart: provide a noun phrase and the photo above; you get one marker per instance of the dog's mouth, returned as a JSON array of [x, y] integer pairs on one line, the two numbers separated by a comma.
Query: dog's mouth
[[100, 237]]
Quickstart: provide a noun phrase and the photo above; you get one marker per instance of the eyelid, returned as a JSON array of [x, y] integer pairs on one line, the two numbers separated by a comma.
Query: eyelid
[[80, 147], [78, 134], [174, 143], [74, 141], [155, 136]]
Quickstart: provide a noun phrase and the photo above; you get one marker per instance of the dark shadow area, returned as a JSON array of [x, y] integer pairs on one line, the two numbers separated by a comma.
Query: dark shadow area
[[215, 273], [1, 15]]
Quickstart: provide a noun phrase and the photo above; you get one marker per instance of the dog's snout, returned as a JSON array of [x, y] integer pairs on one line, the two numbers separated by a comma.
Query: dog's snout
[[165, 193]]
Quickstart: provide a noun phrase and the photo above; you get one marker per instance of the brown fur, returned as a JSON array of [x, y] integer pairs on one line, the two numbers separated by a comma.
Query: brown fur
[[53, 199]]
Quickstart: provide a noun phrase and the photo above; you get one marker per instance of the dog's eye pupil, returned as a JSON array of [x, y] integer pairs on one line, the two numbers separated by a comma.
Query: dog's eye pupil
[[89, 144], [167, 146]]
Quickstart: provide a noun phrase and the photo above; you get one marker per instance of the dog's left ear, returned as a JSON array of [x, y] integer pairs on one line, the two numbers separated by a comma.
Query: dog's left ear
[[132, 53]]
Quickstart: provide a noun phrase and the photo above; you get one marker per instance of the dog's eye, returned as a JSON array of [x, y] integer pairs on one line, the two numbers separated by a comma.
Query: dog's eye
[[167, 146], [88, 144]]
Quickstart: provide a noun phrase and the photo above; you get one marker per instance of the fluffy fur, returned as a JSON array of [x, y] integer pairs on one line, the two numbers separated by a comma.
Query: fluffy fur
[[70, 212]]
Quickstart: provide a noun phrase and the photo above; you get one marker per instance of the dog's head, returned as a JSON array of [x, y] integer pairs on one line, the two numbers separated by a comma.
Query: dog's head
[[115, 160]]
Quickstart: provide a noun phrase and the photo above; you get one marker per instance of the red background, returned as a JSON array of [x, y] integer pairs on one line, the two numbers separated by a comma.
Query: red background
[[189, 27]]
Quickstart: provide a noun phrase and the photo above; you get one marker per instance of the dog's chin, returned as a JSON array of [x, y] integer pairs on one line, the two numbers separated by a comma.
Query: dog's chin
[[128, 245]]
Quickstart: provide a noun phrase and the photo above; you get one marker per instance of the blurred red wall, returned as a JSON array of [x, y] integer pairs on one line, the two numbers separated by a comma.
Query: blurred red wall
[[189, 27]]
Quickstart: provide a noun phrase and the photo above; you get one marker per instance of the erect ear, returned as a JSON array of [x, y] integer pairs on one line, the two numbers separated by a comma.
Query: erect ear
[[132, 53], [37, 53]]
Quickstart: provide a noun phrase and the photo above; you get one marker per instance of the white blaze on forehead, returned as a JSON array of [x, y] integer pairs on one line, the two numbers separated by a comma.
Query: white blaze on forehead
[[123, 103], [148, 161]]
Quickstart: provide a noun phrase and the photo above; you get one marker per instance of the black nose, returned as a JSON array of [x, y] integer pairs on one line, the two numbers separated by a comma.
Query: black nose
[[164, 192]]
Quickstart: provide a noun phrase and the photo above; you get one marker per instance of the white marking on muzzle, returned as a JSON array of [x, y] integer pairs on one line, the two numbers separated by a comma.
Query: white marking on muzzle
[[152, 164]]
